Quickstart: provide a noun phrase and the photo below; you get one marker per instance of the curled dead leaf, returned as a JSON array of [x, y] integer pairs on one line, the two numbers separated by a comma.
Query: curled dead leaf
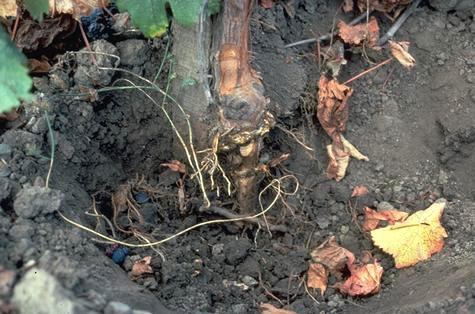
[[317, 277], [268, 308], [39, 65], [360, 33], [175, 165], [359, 190], [400, 51], [76, 8], [339, 158], [372, 217], [415, 239], [332, 109], [333, 256], [364, 280], [142, 267]]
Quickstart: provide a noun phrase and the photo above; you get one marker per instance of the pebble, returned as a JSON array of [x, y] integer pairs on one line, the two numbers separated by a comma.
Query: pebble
[[5, 151], [249, 281], [332, 303], [344, 229], [236, 250], [150, 283], [384, 206], [142, 197], [217, 249], [5, 171], [115, 307]]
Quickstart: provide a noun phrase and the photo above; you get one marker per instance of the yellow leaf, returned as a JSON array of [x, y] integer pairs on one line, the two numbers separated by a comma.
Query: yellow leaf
[[8, 8], [415, 239], [400, 51]]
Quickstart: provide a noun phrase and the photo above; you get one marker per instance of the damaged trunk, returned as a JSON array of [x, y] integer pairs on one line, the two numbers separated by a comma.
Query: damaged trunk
[[240, 105]]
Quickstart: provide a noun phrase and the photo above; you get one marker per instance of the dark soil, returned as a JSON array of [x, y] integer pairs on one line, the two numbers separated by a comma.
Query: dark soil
[[416, 127]]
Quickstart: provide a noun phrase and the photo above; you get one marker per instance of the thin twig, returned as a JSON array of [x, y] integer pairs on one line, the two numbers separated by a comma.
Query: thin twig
[[368, 71], [325, 37], [395, 27], [15, 26], [227, 214]]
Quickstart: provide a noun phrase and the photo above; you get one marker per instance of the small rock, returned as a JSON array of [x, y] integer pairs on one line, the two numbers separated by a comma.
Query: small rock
[[344, 229], [239, 308], [332, 303], [150, 283], [384, 206], [40, 293], [133, 52], [89, 75], [5, 171], [323, 222], [5, 189], [236, 250], [5, 151], [33, 201], [249, 281], [217, 249], [22, 229], [115, 307]]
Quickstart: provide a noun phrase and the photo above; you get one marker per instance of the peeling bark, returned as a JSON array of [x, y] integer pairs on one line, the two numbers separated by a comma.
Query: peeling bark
[[239, 94], [242, 105]]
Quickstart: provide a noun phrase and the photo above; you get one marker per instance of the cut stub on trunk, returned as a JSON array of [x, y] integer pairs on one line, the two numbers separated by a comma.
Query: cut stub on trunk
[[242, 105], [332, 112]]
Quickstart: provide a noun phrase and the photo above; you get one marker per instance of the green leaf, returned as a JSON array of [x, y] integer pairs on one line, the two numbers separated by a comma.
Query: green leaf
[[15, 84], [151, 15], [37, 8]]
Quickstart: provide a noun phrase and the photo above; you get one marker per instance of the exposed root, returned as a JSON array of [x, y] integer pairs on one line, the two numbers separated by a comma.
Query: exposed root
[[275, 184]]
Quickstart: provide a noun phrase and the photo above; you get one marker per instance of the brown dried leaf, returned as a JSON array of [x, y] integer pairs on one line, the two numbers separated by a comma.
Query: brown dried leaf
[[175, 165], [32, 36], [332, 109], [360, 33], [364, 280], [39, 66], [7, 279], [8, 8], [10, 116], [317, 277], [333, 256], [400, 51], [76, 8], [372, 217], [359, 190], [267, 4], [268, 308], [339, 158], [142, 266]]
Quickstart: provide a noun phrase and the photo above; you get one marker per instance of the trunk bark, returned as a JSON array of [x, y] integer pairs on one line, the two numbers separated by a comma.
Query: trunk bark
[[242, 105], [238, 90]]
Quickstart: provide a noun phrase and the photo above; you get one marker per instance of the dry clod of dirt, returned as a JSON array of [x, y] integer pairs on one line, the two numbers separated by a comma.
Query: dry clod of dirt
[[34, 201]]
